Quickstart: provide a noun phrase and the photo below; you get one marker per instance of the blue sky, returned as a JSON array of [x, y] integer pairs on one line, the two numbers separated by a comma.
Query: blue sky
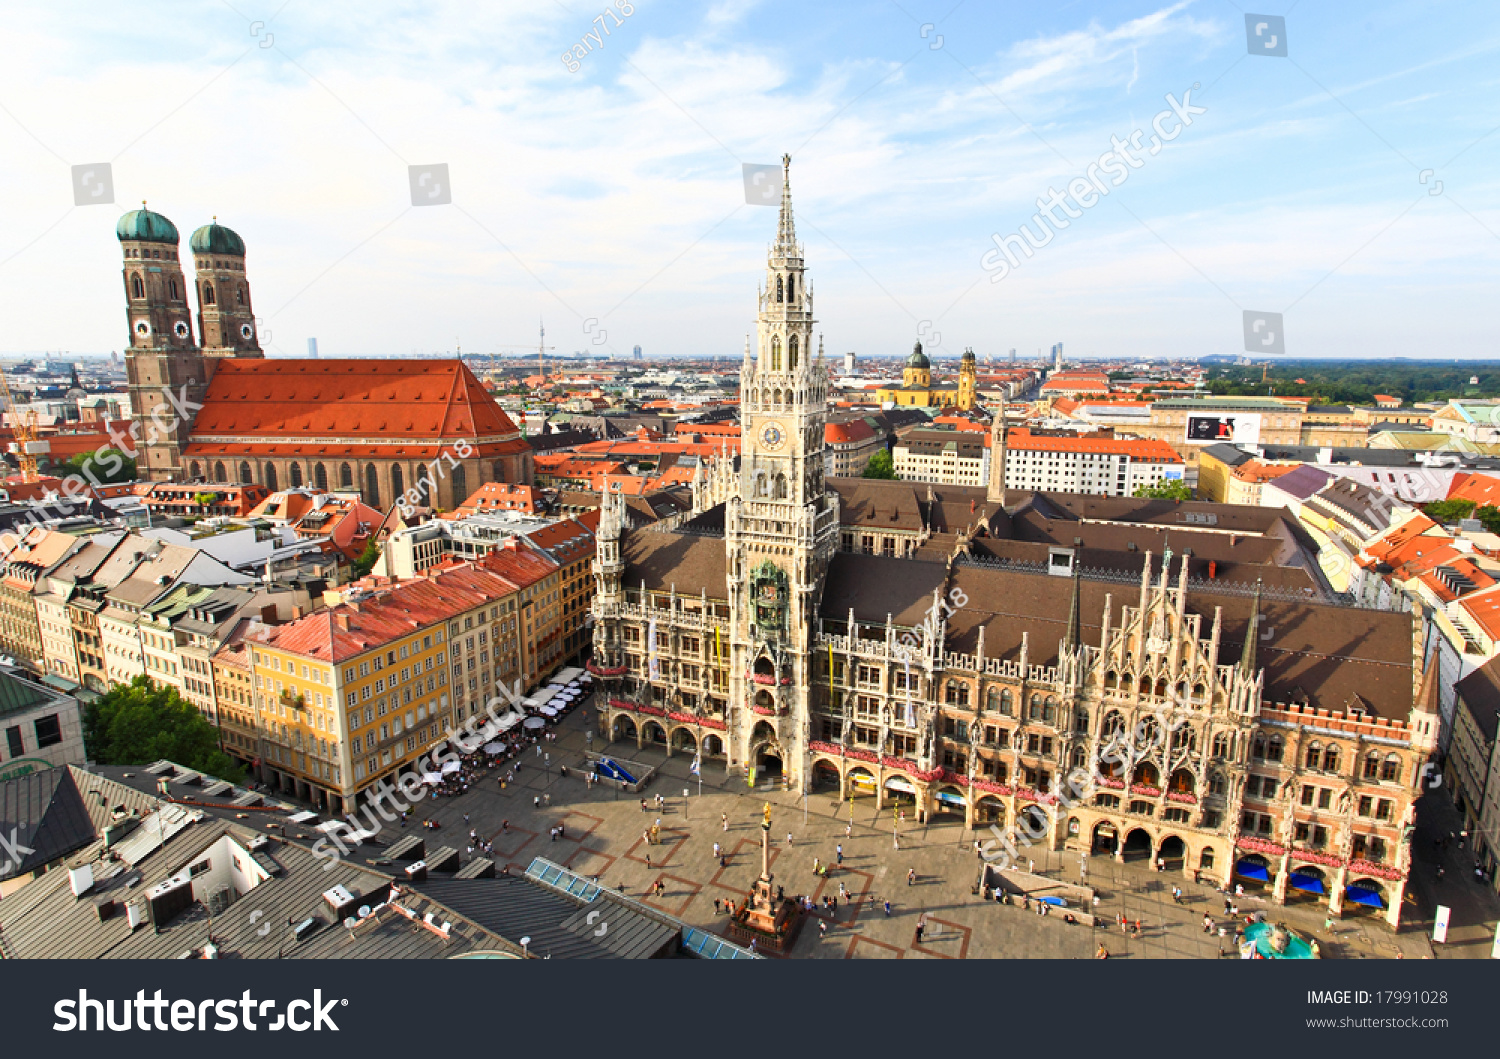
[[608, 199]]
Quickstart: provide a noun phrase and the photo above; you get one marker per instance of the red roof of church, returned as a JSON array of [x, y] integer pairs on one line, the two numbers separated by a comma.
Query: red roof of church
[[374, 404]]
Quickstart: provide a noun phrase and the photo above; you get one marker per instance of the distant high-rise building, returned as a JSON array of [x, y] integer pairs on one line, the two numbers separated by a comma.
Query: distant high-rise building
[[1057, 357], [849, 363], [312, 348], [635, 354], [1012, 356]]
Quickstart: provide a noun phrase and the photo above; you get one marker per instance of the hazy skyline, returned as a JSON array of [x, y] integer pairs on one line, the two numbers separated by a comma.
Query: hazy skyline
[[613, 193]]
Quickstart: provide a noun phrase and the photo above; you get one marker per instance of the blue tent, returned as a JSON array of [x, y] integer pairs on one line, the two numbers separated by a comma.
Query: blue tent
[[1361, 896], [1311, 883], [1251, 870], [1052, 901]]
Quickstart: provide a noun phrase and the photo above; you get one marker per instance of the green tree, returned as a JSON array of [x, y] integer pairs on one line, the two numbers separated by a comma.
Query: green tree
[[142, 722], [1166, 489], [1449, 510], [103, 466], [1490, 516], [881, 466], [366, 560]]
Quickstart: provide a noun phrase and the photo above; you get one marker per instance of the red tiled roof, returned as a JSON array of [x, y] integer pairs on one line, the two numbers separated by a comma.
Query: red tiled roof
[[1149, 449], [1481, 488], [423, 403], [847, 432]]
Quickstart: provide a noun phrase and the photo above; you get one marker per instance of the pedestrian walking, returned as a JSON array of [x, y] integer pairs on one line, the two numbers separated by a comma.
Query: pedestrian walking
[[888, 910], [839, 849], [789, 840], [648, 862], [504, 825], [822, 928], [536, 802], [643, 805], [1137, 927], [723, 818], [919, 933], [1176, 895], [1208, 923], [716, 849], [1030, 866], [466, 818], [716, 906], [911, 876]]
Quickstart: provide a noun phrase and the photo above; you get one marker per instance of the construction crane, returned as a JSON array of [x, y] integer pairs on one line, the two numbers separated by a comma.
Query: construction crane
[[26, 446]]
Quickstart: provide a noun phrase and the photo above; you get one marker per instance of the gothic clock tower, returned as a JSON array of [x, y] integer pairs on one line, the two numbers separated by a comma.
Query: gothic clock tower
[[781, 525]]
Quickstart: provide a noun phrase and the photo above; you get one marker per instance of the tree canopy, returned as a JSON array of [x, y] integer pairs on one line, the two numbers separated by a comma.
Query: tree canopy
[[142, 722], [881, 466], [366, 560], [1166, 489], [109, 465]]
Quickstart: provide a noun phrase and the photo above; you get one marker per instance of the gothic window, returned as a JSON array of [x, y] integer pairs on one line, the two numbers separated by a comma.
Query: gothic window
[[776, 397], [791, 288], [245, 476], [1313, 756], [219, 475], [1274, 749], [294, 472], [172, 286], [425, 487], [137, 288], [372, 485], [239, 294], [1372, 765], [1391, 770], [320, 476], [778, 288], [398, 482], [208, 294], [1081, 720], [1331, 759], [194, 471], [346, 476], [791, 354], [781, 487], [992, 700], [1221, 745], [460, 484], [1005, 702], [499, 471], [271, 477]]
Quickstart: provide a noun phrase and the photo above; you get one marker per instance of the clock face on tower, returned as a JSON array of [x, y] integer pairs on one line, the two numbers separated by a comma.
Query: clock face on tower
[[246, 331], [180, 329], [771, 436]]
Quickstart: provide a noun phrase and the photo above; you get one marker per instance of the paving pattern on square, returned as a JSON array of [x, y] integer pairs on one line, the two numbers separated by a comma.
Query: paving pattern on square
[[604, 839]]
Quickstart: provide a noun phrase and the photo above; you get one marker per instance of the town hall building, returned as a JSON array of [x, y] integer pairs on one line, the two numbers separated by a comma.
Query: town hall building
[[971, 652]]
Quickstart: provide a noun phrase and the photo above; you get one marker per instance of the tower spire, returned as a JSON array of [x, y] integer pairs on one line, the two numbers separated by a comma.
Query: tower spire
[[1252, 634], [786, 231]]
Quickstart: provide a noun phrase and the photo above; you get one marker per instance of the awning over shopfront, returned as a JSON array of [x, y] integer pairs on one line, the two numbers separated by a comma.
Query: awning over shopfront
[[949, 798], [900, 783], [1251, 870], [1361, 896], [1310, 883]]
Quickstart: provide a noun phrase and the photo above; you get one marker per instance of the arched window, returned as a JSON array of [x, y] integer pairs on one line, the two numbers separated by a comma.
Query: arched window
[[781, 487], [1006, 700], [1258, 747], [1313, 756], [791, 353], [791, 288], [424, 486], [346, 476], [776, 357], [1391, 770], [1080, 756], [294, 472], [460, 478], [1111, 680], [1114, 724], [1274, 748], [239, 294], [208, 294], [245, 476], [499, 471], [778, 288], [398, 483], [956, 693], [320, 476], [372, 485], [992, 700], [137, 288], [1331, 759], [271, 477], [1216, 783], [1372, 765], [172, 286], [219, 475], [1080, 720], [194, 471], [1221, 745]]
